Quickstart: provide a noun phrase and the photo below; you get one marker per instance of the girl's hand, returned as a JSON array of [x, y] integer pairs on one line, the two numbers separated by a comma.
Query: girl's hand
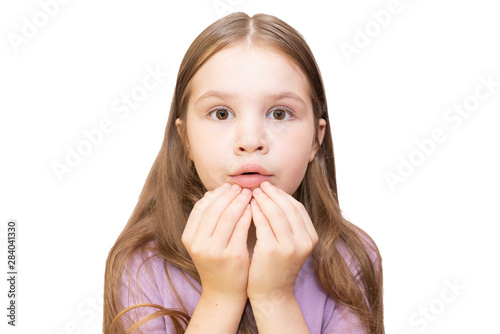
[[285, 238], [216, 238]]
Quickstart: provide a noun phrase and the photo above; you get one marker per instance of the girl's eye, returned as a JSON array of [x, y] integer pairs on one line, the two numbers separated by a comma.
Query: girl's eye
[[220, 113], [280, 113]]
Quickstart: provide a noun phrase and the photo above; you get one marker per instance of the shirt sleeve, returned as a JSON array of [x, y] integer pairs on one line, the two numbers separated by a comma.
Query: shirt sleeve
[[142, 282]]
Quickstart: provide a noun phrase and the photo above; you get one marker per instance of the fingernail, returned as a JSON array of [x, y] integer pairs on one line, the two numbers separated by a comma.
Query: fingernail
[[235, 187], [257, 191], [265, 184], [226, 185], [246, 191]]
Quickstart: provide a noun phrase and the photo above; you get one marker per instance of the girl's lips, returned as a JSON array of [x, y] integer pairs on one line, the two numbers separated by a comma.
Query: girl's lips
[[251, 168], [249, 180], [250, 175]]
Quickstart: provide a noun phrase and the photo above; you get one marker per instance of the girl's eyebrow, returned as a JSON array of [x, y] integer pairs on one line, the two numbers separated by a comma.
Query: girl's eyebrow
[[273, 97], [211, 93]]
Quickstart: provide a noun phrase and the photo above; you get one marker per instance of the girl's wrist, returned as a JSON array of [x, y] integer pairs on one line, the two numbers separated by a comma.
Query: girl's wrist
[[277, 296], [221, 298], [216, 313], [279, 313]]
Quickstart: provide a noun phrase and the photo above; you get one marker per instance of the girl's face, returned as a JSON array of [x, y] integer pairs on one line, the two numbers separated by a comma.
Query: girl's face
[[250, 119]]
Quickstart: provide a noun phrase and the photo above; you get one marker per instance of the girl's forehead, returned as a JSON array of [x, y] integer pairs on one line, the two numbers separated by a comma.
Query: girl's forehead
[[247, 70]]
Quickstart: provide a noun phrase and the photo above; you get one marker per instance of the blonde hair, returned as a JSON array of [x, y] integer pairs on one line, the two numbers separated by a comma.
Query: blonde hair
[[173, 187]]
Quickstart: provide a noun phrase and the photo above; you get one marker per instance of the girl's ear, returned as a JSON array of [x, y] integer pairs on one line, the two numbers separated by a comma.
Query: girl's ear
[[182, 134], [319, 139]]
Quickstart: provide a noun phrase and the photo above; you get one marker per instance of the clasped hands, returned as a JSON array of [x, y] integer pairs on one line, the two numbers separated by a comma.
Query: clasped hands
[[216, 238]]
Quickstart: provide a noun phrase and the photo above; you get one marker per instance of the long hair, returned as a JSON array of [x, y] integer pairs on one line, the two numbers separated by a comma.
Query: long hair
[[173, 187]]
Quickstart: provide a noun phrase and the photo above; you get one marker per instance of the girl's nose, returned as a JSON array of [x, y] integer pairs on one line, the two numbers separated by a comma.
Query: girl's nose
[[251, 136]]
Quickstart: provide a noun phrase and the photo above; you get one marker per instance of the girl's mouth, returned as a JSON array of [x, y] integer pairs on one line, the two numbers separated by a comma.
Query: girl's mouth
[[249, 179], [250, 176]]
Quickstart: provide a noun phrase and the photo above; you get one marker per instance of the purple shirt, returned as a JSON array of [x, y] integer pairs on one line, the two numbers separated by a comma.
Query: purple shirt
[[321, 313]]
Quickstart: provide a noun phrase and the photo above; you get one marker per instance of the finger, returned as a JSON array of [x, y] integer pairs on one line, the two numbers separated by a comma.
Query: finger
[[230, 218], [200, 207], [311, 230], [214, 211], [240, 233], [277, 218], [289, 206], [263, 230]]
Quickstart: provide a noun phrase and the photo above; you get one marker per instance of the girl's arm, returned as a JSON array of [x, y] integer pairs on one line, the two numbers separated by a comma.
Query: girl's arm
[[285, 238], [281, 315], [216, 239], [216, 315]]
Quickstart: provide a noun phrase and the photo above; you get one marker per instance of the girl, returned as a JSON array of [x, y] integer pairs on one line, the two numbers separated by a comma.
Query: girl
[[238, 227]]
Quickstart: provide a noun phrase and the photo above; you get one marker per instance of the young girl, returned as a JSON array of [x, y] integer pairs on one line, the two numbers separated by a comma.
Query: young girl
[[238, 227]]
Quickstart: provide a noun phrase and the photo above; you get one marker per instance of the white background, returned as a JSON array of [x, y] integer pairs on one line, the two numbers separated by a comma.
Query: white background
[[435, 229]]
